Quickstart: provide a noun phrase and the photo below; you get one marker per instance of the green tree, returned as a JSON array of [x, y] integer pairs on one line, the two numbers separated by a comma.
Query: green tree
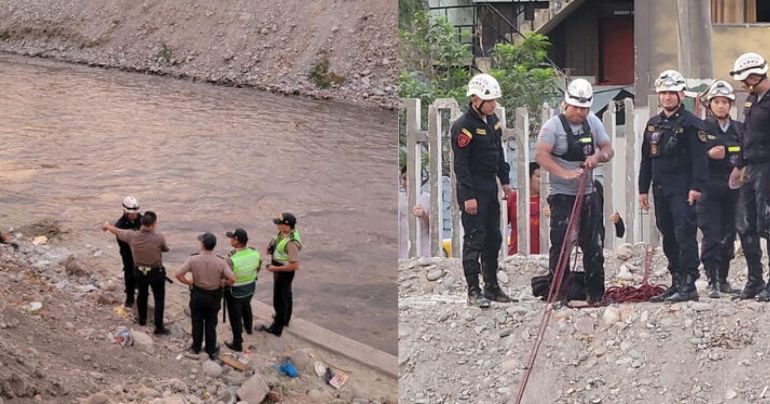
[[526, 79]]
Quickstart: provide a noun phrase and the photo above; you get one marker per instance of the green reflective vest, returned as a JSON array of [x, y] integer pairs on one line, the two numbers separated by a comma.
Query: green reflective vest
[[246, 263], [279, 241]]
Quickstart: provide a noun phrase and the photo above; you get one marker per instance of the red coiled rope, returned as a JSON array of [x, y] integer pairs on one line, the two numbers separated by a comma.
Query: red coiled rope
[[630, 294]]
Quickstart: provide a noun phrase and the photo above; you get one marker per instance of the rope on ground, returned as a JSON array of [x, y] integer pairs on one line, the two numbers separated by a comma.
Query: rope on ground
[[630, 294]]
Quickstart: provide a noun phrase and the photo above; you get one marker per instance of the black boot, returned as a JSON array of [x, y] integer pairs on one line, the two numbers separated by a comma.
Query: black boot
[[754, 285], [686, 292], [495, 294], [713, 277], [668, 292], [764, 295], [476, 299], [714, 289]]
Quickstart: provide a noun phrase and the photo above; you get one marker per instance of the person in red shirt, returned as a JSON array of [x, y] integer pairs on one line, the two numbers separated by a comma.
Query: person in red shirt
[[534, 213]]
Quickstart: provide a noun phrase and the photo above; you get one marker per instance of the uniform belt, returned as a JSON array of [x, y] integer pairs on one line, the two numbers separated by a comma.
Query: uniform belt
[[145, 269], [206, 291]]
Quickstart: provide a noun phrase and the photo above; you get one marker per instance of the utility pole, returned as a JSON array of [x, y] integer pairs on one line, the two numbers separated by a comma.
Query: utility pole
[[695, 38]]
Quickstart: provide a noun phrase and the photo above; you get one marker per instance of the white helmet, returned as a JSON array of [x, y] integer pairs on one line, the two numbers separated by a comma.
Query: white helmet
[[485, 87], [579, 93], [720, 88], [748, 63], [130, 204], [669, 80]]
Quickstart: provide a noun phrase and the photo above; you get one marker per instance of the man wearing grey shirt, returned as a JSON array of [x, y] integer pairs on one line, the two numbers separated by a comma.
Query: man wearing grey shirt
[[569, 146]]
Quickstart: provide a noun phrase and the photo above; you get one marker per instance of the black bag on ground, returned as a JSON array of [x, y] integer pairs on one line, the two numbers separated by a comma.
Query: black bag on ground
[[574, 287]]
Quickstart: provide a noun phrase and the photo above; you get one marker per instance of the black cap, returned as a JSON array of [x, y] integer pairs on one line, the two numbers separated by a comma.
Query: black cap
[[238, 234], [285, 218], [209, 240]]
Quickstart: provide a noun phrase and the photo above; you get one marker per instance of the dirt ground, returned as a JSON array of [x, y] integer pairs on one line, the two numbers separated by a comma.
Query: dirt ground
[[61, 308], [710, 351], [269, 45]]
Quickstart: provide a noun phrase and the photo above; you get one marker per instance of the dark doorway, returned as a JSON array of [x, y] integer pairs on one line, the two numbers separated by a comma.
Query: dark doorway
[[616, 44]]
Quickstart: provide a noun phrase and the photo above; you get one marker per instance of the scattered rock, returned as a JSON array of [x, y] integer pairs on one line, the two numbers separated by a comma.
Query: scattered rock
[[624, 251], [502, 277], [611, 316], [107, 299], [143, 341], [177, 331], [40, 240], [434, 274], [98, 398], [254, 390], [304, 360], [73, 267], [585, 325], [35, 307], [211, 368]]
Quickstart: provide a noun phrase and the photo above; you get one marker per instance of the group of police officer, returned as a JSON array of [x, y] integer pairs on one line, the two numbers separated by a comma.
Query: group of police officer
[[213, 277], [712, 174]]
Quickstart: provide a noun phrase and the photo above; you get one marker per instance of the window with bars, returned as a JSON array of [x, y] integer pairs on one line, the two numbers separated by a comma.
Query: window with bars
[[740, 11]]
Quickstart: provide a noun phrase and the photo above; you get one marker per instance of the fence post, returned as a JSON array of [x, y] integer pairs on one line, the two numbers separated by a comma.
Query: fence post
[[435, 146], [521, 135], [414, 138], [654, 234], [631, 180], [545, 221], [609, 120]]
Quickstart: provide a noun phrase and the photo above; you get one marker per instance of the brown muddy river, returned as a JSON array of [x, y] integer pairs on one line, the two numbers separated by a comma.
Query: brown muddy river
[[75, 140]]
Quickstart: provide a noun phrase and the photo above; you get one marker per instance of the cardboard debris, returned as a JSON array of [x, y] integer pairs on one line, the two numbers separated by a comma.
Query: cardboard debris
[[339, 380], [228, 360]]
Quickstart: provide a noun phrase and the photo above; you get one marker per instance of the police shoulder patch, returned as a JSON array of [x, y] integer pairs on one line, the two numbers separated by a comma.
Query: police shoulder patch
[[650, 128], [747, 104], [464, 139], [703, 136]]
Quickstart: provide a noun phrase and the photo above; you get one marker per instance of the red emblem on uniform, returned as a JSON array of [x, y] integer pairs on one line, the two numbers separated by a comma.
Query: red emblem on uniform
[[463, 140]]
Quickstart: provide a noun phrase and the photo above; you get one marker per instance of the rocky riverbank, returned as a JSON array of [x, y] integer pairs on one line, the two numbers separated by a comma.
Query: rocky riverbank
[[62, 323], [341, 50], [711, 351]]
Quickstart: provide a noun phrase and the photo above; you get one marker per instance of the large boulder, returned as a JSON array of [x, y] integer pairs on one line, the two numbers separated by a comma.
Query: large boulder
[[254, 390]]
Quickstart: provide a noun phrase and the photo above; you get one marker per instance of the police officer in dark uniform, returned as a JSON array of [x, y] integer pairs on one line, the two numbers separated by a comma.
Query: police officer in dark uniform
[[674, 161], [717, 205], [209, 273], [753, 170], [478, 162], [569, 144], [131, 220], [147, 248]]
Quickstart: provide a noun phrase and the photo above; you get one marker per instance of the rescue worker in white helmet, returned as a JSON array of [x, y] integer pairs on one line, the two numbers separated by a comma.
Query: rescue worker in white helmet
[[753, 170], [130, 220], [674, 161], [718, 202], [478, 162], [569, 146]]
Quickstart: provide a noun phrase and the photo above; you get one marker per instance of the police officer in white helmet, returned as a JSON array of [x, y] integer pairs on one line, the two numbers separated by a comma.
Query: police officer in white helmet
[[131, 219], [674, 161], [478, 162], [569, 146], [753, 170], [718, 203]]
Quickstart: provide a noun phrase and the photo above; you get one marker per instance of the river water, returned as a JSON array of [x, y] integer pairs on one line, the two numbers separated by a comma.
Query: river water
[[75, 140]]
